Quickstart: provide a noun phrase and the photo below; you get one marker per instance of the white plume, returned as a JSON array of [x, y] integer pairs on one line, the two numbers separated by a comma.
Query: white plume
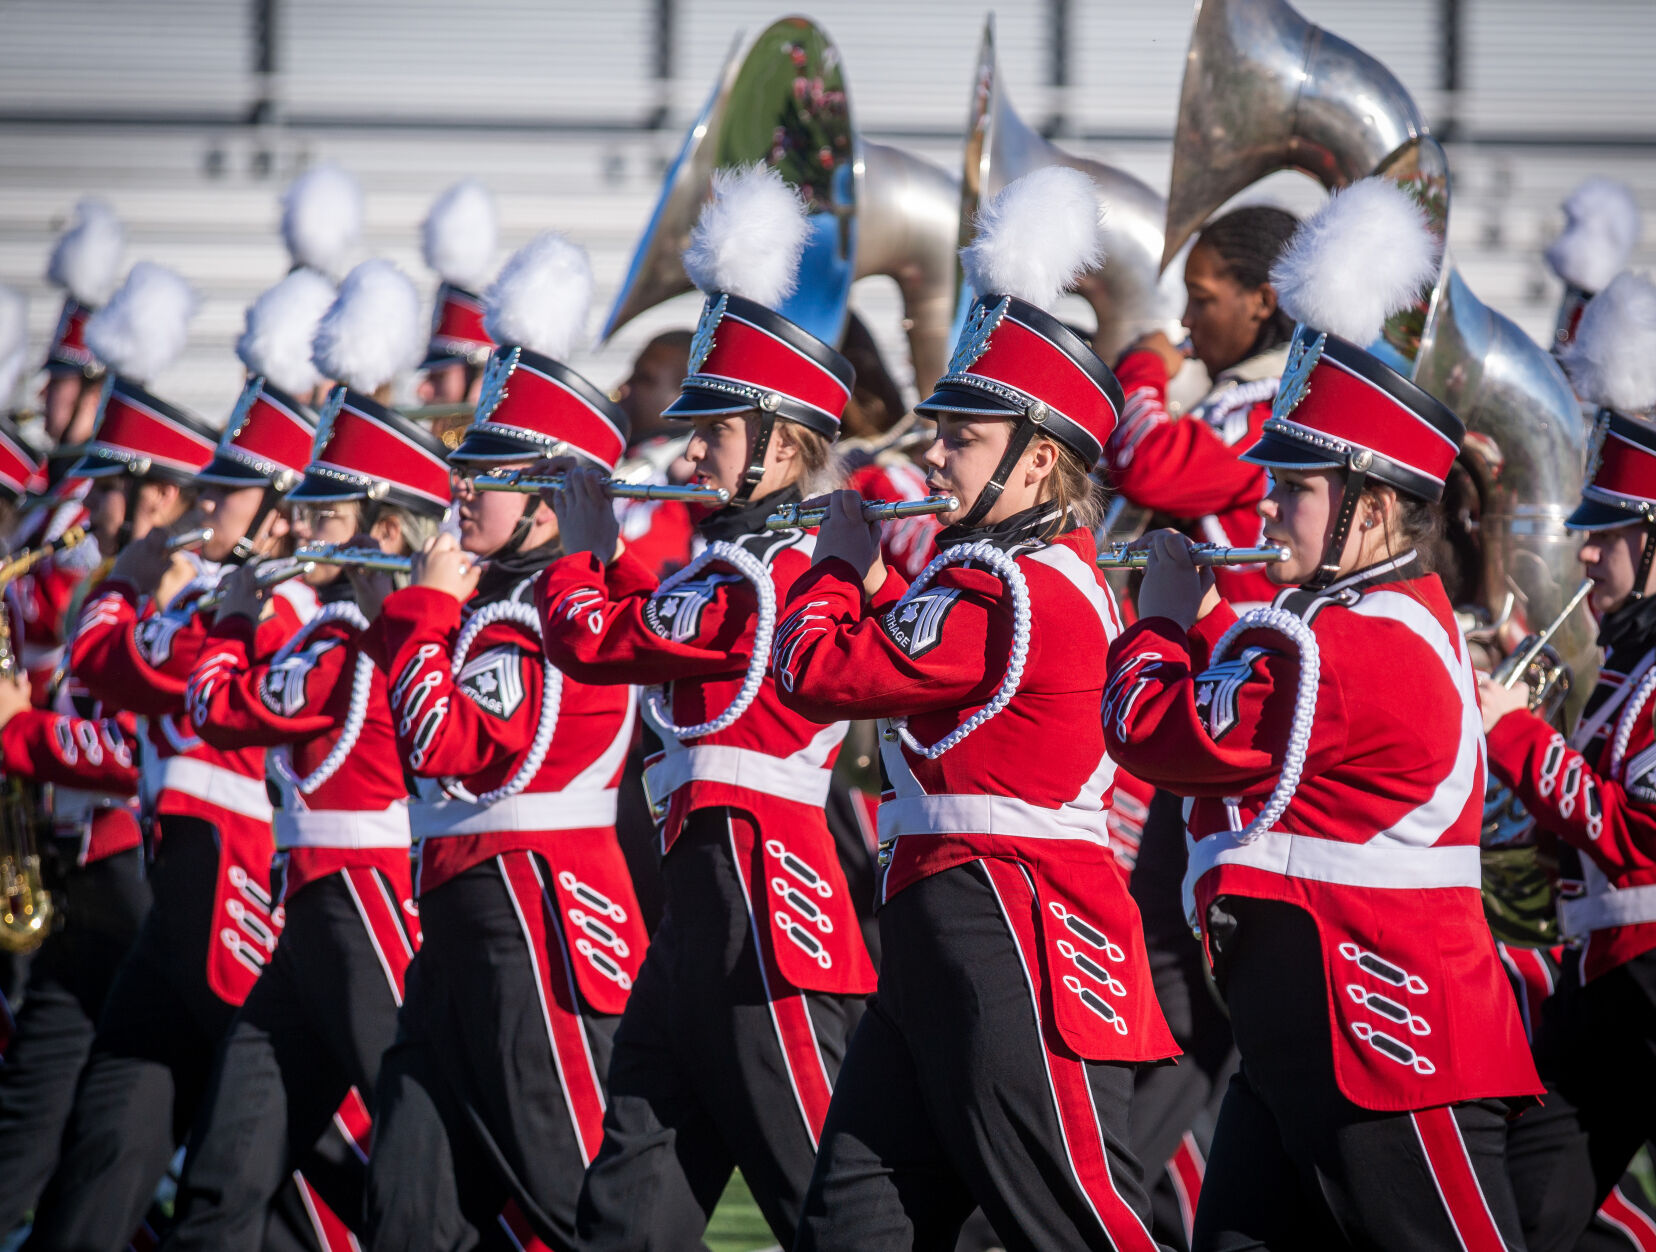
[[1601, 225], [281, 328], [1612, 361], [541, 298], [322, 218], [86, 259], [460, 234], [1363, 256], [144, 326], [373, 331], [1037, 236], [749, 237], [14, 342]]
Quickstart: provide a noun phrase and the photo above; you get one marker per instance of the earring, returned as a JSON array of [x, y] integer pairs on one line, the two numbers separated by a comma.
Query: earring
[[1368, 523]]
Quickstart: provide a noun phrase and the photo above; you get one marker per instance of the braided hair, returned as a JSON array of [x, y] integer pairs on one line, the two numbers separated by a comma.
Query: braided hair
[[1248, 242]]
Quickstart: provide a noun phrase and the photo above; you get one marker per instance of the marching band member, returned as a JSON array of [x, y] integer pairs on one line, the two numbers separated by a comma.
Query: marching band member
[[1189, 467], [325, 1008], [85, 262], [1335, 810], [995, 1063], [532, 934], [212, 926], [1601, 228], [458, 242], [726, 1054], [1596, 792]]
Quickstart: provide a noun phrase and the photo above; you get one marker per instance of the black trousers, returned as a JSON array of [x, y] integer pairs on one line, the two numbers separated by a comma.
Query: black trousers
[[1169, 1100], [473, 1109], [1596, 1050], [1295, 1165], [103, 904], [700, 1083], [950, 1098], [315, 1025]]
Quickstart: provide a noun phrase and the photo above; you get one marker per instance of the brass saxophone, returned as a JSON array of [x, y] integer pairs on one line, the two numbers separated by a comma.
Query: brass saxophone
[[25, 904]]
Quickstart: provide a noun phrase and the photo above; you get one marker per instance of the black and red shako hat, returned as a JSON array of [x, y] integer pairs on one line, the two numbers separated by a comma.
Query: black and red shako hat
[[20, 469], [141, 434], [1621, 475], [368, 451], [1341, 407], [1015, 360], [534, 406], [457, 331], [746, 356], [68, 353], [267, 441]]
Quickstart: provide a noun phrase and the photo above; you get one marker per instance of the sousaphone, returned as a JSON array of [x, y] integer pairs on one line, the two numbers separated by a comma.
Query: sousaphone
[[1001, 147], [874, 209]]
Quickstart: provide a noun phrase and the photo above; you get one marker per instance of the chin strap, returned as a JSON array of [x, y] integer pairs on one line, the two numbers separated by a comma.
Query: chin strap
[[243, 552], [1645, 557], [756, 459], [1023, 430], [1357, 467]]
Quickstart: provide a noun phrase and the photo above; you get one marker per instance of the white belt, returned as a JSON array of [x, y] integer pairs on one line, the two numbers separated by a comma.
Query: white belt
[[988, 815], [531, 811], [1603, 910], [209, 782], [343, 828], [778, 776], [1387, 865]]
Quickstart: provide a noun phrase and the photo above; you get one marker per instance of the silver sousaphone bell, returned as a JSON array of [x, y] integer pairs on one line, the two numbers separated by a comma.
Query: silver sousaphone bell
[[874, 209]]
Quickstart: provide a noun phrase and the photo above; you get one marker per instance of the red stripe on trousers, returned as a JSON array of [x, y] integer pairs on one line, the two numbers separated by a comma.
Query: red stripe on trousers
[[379, 915], [561, 1012], [1066, 1074], [1451, 1167], [519, 1233], [331, 1233], [1185, 1169], [1630, 1219], [790, 1014]]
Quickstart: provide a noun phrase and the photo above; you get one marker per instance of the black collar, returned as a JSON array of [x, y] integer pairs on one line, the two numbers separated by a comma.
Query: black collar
[[503, 575], [1630, 630], [1305, 602], [1028, 526], [736, 520]]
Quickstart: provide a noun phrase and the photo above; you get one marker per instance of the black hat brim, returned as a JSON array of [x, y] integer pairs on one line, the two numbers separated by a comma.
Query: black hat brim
[[1596, 515], [969, 401], [1274, 450], [496, 448], [221, 471]]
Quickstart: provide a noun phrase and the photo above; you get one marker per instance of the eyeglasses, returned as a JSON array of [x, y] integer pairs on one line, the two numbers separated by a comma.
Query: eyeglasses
[[313, 516]]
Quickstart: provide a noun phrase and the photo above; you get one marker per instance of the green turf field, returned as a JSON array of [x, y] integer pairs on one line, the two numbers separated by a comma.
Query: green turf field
[[737, 1225]]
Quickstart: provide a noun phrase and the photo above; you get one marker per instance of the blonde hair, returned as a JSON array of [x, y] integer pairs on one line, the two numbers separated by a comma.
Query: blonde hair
[[813, 459], [1071, 486]]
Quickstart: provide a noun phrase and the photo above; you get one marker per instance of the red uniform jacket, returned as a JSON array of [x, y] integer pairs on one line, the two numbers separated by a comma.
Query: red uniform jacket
[[344, 804], [1378, 842], [1031, 785], [512, 755], [908, 543], [135, 658], [46, 593], [1188, 467], [1598, 793], [696, 634]]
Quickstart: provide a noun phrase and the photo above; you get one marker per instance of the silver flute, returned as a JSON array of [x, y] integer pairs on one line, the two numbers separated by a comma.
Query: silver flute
[[270, 573], [1117, 556], [614, 488], [798, 517], [190, 539], [354, 558]]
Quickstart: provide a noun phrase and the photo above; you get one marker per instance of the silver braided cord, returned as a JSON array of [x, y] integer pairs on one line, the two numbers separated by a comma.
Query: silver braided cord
[[362, 682], [1630, 718], [984, 553], [1305, 707], [551, 698], [764, 631]]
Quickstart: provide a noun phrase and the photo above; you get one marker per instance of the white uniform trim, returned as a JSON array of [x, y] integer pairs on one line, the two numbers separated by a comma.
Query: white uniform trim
[[534, 810], [802, 777], [1605, 908], [343, 828], [211, 783], [989, 815]]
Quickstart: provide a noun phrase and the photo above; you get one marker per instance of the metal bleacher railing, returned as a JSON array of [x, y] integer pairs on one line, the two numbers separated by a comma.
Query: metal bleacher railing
[[191, 114]]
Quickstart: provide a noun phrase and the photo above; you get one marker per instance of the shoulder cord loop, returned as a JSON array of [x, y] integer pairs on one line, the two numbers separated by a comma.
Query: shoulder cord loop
[[551, 698]]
